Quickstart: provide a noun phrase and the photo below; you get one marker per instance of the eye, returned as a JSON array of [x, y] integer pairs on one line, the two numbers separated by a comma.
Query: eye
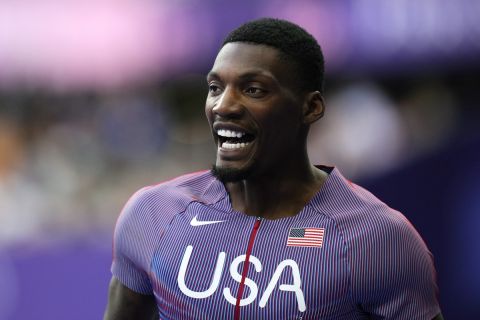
[[213, 89], [255, 92]]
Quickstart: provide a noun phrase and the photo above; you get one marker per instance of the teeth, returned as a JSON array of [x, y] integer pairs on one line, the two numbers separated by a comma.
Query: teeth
[[227, 145], [230, 133]]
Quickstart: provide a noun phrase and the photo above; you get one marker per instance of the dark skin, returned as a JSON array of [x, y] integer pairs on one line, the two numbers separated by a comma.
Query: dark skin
[[251, 90], [125, 304]]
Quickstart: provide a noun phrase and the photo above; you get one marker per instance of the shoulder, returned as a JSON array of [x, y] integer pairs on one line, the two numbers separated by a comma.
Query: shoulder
[[375, 235], [388, 260], [359, 214], [192, 185], [171, 195], [156, 205], [150, 210]]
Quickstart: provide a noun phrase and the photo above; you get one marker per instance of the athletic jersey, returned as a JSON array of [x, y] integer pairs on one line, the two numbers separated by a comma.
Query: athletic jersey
[[345, 255]]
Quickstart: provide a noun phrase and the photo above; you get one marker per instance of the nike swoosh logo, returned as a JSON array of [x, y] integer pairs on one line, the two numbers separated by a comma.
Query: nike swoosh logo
[[196, 223]]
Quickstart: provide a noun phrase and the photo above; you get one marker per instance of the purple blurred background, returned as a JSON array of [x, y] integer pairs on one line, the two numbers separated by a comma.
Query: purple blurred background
[[99, 98]]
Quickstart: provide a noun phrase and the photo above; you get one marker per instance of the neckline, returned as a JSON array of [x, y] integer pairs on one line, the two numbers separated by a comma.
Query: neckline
[[314, 199]]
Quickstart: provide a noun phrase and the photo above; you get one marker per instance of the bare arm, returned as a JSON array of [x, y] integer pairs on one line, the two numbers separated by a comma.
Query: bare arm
[[125, 304]]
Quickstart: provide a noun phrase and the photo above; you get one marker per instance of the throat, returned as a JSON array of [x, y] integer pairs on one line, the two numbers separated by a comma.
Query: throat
[[268, 205], [274, 200]]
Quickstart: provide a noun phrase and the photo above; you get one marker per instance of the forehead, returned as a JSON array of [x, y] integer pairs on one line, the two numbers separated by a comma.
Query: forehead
[[238, 58]]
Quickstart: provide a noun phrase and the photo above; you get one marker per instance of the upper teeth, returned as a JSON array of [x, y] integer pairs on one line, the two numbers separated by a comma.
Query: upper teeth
[[230, 133]]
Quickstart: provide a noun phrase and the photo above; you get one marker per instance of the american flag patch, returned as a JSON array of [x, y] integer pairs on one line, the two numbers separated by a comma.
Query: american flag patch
[[305, 237]]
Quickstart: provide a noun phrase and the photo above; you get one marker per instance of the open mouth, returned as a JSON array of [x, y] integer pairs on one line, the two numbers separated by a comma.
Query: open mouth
[[234, 139]]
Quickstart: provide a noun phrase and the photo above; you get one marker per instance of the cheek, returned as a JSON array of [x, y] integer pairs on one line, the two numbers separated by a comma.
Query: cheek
[[282, 127], [209, 113], [286, 118]]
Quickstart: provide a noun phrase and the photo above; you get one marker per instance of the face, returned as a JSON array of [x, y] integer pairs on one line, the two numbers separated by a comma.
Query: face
[[254, 111]]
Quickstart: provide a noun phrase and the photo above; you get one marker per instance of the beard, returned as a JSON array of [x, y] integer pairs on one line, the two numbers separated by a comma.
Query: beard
[[230, 174]]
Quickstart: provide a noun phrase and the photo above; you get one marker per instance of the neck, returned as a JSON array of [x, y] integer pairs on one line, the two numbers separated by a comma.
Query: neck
[[273, 195]]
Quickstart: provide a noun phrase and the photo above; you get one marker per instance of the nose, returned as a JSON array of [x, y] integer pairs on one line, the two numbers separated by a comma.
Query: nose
[[228, 104]]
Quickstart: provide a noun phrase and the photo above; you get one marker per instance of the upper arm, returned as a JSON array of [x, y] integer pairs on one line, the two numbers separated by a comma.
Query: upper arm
[[125, 304], [130, 291], [132, 245]]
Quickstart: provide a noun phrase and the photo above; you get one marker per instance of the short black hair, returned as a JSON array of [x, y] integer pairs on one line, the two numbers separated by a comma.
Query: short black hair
[[294, 43]]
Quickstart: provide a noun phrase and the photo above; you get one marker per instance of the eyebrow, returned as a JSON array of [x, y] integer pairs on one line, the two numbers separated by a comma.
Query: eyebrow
[[247, 75]]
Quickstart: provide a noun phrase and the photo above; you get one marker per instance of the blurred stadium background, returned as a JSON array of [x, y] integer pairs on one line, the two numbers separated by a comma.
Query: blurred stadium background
[[99, 98]]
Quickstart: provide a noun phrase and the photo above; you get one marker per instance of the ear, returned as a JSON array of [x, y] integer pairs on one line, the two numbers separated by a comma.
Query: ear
[[313, 108]]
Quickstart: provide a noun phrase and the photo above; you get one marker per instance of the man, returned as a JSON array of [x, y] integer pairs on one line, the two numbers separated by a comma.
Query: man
[[265, 234]]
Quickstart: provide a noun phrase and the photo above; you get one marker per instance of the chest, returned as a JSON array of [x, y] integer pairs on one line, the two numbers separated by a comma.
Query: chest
[[211, 262]]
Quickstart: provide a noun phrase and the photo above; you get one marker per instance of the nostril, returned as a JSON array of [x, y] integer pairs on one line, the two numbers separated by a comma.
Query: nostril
[[228, 111]]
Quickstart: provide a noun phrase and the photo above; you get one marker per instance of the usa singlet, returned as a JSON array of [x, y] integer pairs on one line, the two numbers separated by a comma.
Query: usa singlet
[[346, 255]]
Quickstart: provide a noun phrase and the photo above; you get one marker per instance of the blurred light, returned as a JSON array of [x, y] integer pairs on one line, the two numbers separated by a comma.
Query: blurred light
[[362, 132], [324, 20], [132, 128], [91, 43], [107, 43]]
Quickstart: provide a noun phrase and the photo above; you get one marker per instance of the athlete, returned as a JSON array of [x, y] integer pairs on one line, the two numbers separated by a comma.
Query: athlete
[[265, 234]]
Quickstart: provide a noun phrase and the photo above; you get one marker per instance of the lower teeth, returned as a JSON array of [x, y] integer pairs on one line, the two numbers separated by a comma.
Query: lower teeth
[[227, 145]]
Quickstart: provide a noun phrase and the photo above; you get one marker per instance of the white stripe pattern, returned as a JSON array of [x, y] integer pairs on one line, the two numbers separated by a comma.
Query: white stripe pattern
[[371, 261]]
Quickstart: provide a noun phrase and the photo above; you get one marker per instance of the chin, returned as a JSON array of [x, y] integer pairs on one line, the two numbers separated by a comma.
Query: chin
[[225, 174]]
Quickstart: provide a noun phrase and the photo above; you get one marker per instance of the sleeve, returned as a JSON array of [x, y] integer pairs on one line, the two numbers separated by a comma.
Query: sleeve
[[130, 263], [393, 275]]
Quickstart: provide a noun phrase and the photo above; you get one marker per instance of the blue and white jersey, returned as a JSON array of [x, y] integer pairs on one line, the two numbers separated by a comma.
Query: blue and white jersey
[[346, 255]]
